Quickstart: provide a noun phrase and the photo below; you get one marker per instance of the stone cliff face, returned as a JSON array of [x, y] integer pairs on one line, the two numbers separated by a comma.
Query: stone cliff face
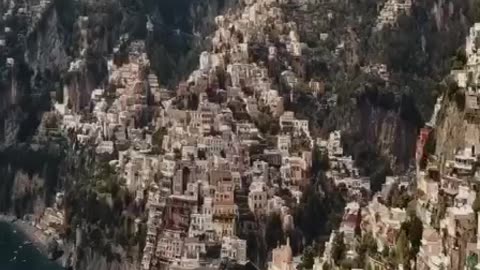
[[179, 35], [46, 50], [9, 111], [451, 129], [454, 130], [382, 109], [30, 178], [394, 134], [92, 260]]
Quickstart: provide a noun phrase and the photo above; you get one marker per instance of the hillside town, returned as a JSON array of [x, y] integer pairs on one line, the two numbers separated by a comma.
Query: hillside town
[[217, 154], [191, 153]]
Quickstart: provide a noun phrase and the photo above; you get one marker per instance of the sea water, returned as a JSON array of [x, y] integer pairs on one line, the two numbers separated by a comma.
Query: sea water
[[16, 254]]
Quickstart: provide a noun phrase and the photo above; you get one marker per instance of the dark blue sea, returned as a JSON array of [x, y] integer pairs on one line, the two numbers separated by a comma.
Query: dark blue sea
[[15, 255]]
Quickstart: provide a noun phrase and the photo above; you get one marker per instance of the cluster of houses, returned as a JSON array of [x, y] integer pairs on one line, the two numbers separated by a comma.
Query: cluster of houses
[[448, 187], [342, 168], [190, 153], [382, 222], [445, 196], [379, 70], [197, 154], [199, 159], [449, 183], [375, 217], [390, 11]]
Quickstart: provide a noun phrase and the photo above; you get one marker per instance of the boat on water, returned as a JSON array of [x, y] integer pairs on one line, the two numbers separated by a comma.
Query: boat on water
[[27, 243]]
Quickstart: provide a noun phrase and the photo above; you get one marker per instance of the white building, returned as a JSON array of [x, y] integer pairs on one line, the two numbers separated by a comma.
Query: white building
[[105, 147], [234, 248], [465, 160], [257, 197], [200, 223], [283, 143], [205, 61]]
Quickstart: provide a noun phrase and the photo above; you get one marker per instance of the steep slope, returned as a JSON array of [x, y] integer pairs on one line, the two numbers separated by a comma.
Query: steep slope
[[379, 114], [385, 80], [82, 32], [42, 49]]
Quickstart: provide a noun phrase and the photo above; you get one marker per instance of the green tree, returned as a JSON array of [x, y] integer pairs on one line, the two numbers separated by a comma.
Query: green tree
[[267, 124], [319, 160], [472, 261], [308, 258], [476, 203], [385, 252], [370, 243], [158, 135], [377, 178], [311, 214], [452, 87], [415, 232], [439, 213], [367, 246], [338, 248], [347, 264], [300, 143], [358, 222], [411, 208], [274, 231], [402, 249]]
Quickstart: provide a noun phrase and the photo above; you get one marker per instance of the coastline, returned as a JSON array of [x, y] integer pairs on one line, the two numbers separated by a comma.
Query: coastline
[[38, 238]]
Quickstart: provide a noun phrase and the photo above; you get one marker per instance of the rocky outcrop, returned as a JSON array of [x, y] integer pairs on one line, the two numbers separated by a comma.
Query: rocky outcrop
[[372, 127], [30, 178], [27, 195], [180, 32], [393, 134], [89, 259], [454, 130], [9, 111], [46, 50], [409, 51], [451, 130]]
